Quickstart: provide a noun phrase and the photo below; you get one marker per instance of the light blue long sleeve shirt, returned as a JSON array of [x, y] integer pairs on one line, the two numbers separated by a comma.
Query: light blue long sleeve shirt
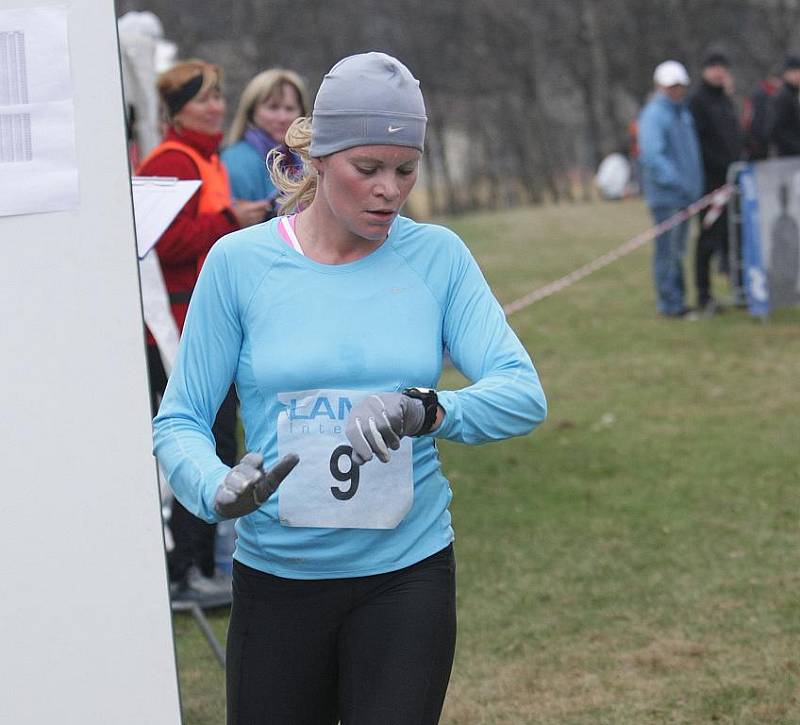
[[275, 322]]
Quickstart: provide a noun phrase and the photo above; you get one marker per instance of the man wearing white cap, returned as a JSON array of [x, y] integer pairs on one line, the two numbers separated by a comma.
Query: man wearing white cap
[[672, 178]]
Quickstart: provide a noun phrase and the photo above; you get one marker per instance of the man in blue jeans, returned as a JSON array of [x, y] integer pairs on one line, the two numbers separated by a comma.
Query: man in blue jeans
[[672, 178]]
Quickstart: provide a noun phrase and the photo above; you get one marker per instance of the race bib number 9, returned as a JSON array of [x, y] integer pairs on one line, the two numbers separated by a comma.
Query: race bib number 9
[[326, 489]]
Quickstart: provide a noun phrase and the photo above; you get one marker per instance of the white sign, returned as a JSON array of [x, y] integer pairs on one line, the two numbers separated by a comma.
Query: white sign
[[38, 168], [85, 620]]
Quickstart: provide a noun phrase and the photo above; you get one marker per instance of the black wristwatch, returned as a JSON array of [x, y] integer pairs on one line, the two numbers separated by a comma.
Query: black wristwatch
[[430, 401]]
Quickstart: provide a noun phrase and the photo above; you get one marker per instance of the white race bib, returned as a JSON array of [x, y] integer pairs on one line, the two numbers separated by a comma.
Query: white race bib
[[325, 489]]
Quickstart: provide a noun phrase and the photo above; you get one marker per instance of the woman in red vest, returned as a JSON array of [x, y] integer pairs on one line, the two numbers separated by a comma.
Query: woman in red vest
[[195, 109]]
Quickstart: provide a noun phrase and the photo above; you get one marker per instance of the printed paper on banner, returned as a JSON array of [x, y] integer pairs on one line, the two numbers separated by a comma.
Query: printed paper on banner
[[38, 166], [777, 186], [326, 489]]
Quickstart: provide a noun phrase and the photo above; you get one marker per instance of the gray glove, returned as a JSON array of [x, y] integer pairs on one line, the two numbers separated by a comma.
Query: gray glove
[[247, 485], [378, 422]]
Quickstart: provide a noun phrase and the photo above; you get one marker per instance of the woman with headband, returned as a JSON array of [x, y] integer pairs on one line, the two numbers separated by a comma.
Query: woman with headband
[[194, 108], [333, 322]]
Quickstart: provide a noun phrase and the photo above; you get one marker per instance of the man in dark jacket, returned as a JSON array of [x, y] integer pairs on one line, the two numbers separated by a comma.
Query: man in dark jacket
[[786, 111], [721, 144], [757, 117]]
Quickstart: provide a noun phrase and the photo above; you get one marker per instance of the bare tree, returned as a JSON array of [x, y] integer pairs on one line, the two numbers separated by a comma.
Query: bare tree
[[522, 95]]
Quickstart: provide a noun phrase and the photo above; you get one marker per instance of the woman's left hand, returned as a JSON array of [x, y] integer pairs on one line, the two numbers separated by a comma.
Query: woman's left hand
[[378, 422]]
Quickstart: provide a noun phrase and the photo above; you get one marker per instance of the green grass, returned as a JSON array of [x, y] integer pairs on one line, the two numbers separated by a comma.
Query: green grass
[[636, 559]]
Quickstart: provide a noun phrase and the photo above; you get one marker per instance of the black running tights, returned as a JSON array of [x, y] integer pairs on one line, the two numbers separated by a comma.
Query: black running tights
[[374, 650]]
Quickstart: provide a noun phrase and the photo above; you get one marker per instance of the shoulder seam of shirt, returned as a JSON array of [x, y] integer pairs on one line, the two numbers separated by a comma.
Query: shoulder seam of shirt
[[257, 285], [419, 275]]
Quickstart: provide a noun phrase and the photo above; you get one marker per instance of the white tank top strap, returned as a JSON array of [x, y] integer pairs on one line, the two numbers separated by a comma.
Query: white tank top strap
[[288, 230]]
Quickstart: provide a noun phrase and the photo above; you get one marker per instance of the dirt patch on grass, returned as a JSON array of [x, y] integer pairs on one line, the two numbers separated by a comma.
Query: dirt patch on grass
[[667, 677], [664, 680], [665, 654]]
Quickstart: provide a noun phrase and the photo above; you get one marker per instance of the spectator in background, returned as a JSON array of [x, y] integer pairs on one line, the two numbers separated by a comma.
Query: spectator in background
[[270, 102], [785, 132], [672, 178], [757, 117], [720, 138], [195, 108], [633, 156]]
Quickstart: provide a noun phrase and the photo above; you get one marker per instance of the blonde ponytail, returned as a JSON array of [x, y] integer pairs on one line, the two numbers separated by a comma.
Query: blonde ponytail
[[295, 193]]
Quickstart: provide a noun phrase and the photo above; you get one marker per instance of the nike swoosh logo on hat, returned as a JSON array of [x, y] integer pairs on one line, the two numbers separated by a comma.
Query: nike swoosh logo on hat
[[395, 129]]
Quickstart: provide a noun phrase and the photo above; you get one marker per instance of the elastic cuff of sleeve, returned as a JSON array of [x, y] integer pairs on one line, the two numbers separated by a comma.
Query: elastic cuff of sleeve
[[451, 423], [209, 494]]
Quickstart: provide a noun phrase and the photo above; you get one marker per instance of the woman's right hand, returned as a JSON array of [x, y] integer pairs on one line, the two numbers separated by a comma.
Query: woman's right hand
[[248, 213], [247, 485]]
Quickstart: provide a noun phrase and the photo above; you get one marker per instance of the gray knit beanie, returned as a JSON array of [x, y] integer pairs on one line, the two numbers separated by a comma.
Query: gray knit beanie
[[367, 99]]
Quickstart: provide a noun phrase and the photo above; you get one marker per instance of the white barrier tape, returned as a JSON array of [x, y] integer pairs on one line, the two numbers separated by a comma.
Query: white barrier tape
[[721, 197], [624, 249]]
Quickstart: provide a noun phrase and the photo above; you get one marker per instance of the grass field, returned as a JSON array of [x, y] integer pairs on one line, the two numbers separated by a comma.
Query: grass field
[[636, 559]]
